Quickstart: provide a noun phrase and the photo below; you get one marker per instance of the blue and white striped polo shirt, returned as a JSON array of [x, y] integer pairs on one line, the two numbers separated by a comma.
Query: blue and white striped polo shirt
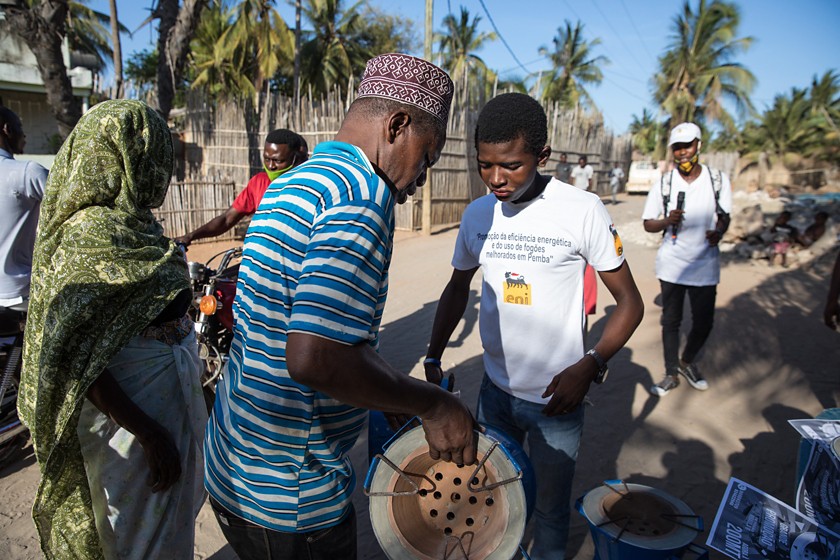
[[315, 260]]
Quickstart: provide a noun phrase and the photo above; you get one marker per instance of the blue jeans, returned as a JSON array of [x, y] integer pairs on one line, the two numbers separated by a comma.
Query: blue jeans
[[253, 542], [553, 444]]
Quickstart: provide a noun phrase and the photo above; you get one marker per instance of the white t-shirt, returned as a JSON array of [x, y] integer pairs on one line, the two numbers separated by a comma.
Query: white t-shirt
[[689, 259], [616, 175], [582, 175], [532, 257]]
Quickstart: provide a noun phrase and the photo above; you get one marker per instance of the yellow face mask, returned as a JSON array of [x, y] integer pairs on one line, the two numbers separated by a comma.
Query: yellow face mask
[[686, 166]]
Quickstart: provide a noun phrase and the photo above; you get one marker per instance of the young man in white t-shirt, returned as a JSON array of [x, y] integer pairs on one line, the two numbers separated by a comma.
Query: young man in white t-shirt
[[687, 264], [582, 175], [531, 237]]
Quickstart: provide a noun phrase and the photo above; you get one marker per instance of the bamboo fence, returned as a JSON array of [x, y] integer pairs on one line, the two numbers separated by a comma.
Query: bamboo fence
[[221, 148]]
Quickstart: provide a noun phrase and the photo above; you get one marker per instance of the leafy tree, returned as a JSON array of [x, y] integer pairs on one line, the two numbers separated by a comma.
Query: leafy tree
[[785, 131], [238, 49], [141, 71], [646, 132], [88, 31], [334, 50], [175, 31], [573, 67], [386, 33], [698, 72], [42, 26], [458, 44], [825, 105]]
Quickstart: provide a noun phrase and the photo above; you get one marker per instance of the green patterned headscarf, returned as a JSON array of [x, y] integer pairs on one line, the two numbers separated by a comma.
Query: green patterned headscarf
[[101, 271]]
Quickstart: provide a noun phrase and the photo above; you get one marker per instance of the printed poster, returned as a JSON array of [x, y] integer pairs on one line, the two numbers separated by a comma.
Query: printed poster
[[752, 525], [818, 494], [818, 430]]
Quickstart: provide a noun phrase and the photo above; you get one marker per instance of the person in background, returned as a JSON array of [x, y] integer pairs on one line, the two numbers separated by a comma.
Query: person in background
[[304, 366], [538, 370], [783, 234], [582, 174], [283, 150], [22, 186], [110, 387], [563, 171], [814, 231], [616, 178], [694, 202]]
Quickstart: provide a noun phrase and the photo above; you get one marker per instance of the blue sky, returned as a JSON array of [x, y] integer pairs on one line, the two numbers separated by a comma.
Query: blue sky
[[793, 41]]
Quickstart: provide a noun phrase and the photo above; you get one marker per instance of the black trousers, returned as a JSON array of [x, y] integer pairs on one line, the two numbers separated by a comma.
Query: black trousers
[[702, 301], [252, 542]]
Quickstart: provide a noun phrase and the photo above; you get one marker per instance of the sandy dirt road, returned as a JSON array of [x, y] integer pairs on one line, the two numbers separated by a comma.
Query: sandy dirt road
[[769, 359]]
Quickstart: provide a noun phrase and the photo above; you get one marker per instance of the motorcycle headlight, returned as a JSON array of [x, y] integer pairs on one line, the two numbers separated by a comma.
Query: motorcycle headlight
[[208, 305]]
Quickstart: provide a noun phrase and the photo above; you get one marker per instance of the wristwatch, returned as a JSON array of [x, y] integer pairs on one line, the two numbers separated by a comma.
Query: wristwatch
[[601, 376]]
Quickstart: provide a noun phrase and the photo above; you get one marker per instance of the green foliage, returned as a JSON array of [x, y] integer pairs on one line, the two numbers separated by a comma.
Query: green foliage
[[574, 67], [336, 49], [384, 33], [698, 72], [237, 49], [800, 124], [458, 43], [141, 70], [89, 32], [647, 133]]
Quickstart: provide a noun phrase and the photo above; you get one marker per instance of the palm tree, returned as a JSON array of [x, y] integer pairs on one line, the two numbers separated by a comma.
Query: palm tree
[[88, 32], [698, 72], [334, 50], [458, 44], [43, 26], [573, 67], [825, 100], [786, 130], [646, 132], [238, 49]]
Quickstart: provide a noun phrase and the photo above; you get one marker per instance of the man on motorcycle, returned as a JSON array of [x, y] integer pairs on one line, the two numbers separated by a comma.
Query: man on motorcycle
[[283, 150], [22, 188]]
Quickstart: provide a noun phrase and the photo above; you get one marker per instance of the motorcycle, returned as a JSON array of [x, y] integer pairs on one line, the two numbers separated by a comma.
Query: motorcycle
[[12, 431], [214, 290]]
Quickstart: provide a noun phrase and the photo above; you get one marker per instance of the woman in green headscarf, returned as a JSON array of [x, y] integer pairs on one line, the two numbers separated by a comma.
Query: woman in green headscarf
[[109, 387]]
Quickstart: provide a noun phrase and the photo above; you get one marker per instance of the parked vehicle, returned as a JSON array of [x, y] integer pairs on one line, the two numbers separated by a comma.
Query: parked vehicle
[[214, 290], [642, 174], [13, 434]]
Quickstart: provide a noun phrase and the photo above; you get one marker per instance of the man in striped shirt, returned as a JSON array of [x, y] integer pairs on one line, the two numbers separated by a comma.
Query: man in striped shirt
[[303, 364]]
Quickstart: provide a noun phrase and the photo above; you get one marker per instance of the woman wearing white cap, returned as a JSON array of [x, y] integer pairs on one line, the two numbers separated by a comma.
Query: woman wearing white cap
[[691, 206]]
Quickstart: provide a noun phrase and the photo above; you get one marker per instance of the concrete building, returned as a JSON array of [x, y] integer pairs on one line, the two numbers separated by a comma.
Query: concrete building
[[22, 90]]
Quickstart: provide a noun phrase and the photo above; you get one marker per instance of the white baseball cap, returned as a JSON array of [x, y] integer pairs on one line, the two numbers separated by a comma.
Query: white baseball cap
[[684, 132]]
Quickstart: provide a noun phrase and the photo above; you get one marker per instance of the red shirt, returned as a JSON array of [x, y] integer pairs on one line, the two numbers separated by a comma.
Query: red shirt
[[249, 199]]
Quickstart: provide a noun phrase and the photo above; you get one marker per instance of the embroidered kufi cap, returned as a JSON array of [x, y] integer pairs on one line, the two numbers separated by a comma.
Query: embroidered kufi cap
[[410, 80]]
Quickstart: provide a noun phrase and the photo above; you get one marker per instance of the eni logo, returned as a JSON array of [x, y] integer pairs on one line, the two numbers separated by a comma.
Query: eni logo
[[619, 249], [515, 290]]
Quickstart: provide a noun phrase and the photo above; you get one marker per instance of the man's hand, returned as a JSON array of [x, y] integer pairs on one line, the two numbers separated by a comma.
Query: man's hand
[[674, 217], [831, 314], [162, 457], [184, 240], [434, 373], [713, 236], [450, 431], [569, 387]]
